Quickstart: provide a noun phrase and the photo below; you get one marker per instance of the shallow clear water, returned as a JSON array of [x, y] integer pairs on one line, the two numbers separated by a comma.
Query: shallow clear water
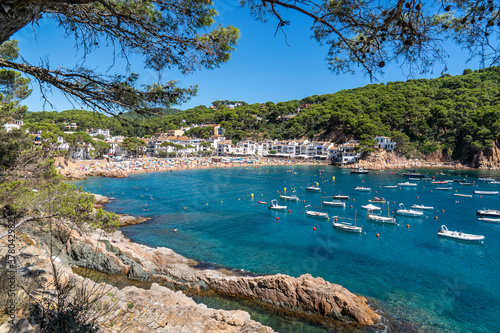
[[434, 284]]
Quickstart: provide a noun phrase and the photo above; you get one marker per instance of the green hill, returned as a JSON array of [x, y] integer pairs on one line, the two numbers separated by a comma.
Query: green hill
[[458, 115]]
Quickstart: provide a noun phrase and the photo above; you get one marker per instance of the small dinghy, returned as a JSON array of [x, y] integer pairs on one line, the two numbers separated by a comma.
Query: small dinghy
[[488, 212], [391, 186], [444, 232], [313, 188], [293, 197], [486, 192], [444, 188], [422, 207]]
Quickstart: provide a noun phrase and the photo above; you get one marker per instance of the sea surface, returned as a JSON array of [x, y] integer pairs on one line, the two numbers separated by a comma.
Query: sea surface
[[429, 283]]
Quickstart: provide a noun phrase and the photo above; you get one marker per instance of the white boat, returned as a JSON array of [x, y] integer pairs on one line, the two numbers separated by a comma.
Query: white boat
[[312, 213], [488, 212], [488, 219], [462, 195], [469, 184], [444, 232], [312, 188], [341, 197], [362, 189], [359, 171], [422, 207], [336, 203], [293, 197], [443, 188], [408, 212], [347, 226], [415, 178], [274, 205], [391, 186], [407, 184], [494, 182], [371, 207], [486, 192], [377, 199], [487, 179], [381, 219]]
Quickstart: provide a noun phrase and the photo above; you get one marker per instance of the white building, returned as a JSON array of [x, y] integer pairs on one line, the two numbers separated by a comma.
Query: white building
[[348, 153], [384, 142], [225, 148], [13, 124], [98, 131]]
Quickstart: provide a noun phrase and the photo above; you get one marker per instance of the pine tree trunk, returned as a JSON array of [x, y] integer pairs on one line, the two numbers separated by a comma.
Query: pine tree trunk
[[15, 15]]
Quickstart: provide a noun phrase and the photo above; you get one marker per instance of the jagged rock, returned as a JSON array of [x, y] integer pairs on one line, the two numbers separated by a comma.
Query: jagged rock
[[489, 159], [101, 199], [126, 220], [137, 273]]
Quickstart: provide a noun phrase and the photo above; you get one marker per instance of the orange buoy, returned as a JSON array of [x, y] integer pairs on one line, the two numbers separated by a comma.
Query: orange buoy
[[289, 211], [304, 201], [353, 199], [314, 228], [436, 217], [336, 220], [407, 225], [394, 202], [351, 206], [378, 235], [392, 212], [442, 210], [480, 197], [277, 219], [418, 197], [175, 229], [376, 173]]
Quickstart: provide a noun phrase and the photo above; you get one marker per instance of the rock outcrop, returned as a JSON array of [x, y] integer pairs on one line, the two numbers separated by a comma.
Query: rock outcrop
[[126, 220], [489, 159], [115, 254]]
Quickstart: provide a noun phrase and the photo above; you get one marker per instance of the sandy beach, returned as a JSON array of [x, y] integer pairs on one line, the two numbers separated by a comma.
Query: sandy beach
[[78, 169]]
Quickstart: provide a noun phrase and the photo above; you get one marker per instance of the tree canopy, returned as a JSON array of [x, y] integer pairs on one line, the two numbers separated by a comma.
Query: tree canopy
[[167, 34]]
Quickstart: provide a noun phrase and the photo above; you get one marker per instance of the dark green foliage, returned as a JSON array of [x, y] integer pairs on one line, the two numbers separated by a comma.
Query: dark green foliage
[[458, 115]]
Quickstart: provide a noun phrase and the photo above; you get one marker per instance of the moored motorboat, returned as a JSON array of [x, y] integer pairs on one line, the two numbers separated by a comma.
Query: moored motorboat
[[408, 212], [443, 188], [262, 202], [489, 219], [488, 212], [362, 189], [407, 184], [486, 192], [494, 182], [390, 186], [486, 179], [444, 232], [313, 188], [464, 183], [462, 195], [347, 227], [422, 207], [440, 182], [336, 203], [293, 197], [377, 199], [341, 197], [275, 206], [413, 175], [359, 171], [371, 207]]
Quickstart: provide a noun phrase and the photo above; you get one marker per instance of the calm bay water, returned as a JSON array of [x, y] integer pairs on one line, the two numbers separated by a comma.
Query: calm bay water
[[435, 284]]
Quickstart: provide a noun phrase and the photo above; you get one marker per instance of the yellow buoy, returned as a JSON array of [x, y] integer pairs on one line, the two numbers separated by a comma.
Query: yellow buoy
[[251, 195], [333, 178]]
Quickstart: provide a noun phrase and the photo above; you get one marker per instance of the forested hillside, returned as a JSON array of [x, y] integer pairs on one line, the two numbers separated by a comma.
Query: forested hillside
[[458, 115]]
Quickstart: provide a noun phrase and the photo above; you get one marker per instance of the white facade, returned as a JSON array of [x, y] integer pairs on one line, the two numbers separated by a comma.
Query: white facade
[[385, 142], [98, 131]]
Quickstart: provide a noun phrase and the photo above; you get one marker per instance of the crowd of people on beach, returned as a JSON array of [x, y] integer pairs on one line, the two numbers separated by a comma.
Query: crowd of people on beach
[[140, 165]]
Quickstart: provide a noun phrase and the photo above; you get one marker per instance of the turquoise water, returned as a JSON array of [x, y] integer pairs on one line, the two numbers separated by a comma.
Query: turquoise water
[[433, 284]]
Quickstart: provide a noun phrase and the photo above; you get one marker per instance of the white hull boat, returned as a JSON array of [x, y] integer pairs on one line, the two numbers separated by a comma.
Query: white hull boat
[[348, 227], [444, 188], [495, 182], [489, 219], [359, 171], [463, 195], [275, 206], [377, 199], [444, 232], [334, 203], [312, 213], [391, 186], [362, 189], [408, 212], [313, 189], [486, 192], [488, 212], [381, 219], [422, 207], [341, 197], [407, 184], [371, 207], [289, 197]]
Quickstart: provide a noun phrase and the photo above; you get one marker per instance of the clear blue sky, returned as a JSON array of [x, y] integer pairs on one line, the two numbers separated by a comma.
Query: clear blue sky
[[262, 68]]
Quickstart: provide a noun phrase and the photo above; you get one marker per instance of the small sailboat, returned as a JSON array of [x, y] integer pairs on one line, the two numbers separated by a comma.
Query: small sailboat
[[341, 197], [293, 197], [489, 219], [381, 219], [312, 213], [276, 206], [444, 232], [347, 226]]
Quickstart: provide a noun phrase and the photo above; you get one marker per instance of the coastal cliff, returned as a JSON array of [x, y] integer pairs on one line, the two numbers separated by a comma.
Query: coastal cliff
[[304, 296]]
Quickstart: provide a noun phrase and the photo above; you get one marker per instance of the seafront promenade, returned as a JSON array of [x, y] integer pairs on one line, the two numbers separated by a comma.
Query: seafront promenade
[[78, 169]]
